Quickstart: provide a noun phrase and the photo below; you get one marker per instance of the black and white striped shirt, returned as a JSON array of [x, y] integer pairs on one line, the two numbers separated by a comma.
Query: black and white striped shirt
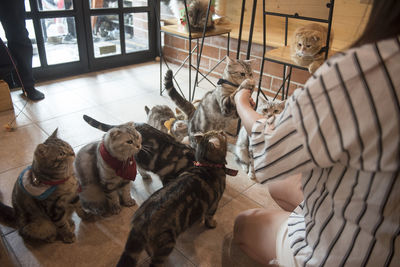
[[342, 132]]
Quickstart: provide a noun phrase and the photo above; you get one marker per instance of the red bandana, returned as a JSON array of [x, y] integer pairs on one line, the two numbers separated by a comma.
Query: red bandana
[[221, 166], [126, 170]]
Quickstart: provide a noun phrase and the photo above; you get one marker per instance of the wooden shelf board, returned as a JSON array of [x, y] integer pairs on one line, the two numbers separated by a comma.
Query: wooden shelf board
[[177, 30], [282, 54]]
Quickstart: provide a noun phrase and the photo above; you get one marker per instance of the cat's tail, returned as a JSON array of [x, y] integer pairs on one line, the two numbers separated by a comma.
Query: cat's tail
[[7, 215], [187, 107], [96, 124], [133, 247]]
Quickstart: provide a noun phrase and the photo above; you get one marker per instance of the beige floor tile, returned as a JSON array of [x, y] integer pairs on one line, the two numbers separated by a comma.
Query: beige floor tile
[[7, 181], [15, 114], [55, 105], [97, 243], [17, 147], [204, 246], [175, 259], [260, 194], [74, 130]]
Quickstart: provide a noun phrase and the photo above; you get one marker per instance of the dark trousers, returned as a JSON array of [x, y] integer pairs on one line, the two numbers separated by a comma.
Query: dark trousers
[[12, 17]]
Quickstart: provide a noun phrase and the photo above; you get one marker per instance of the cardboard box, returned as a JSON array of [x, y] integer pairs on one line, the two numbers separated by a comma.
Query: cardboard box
[[5, 97]]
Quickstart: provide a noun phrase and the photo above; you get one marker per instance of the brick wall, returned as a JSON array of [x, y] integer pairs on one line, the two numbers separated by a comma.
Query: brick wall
[[215, 48]]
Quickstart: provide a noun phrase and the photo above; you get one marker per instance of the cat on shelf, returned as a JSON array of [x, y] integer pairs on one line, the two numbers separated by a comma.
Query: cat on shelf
[[197, 13], [309, 46]]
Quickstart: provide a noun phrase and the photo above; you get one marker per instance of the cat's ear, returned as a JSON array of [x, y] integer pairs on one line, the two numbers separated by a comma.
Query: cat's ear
[[230, 60], [41, 150], [198, 136], [316, 38], [146, 108], [54, 134], [282, 104], [130, 124], [249, 62], [114, 133]]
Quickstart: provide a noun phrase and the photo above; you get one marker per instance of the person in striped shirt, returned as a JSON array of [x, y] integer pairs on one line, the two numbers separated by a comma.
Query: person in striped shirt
[[341, 135]]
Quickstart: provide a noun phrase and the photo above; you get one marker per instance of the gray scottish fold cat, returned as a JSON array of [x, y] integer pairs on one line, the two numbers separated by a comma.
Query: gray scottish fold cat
[[106, 168]]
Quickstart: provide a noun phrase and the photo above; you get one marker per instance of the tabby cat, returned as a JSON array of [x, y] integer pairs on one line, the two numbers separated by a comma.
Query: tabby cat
[[46, 194], [309, 46], [217, 109], [197, 13], [164, 119], [191, 197], [106, 168], [160, 153], [243, 154]]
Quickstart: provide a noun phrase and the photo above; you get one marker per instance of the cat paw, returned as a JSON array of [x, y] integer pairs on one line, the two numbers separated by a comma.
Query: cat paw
[[210, 223], [128, 202], [68, 237], [115, 209], [247, 84]]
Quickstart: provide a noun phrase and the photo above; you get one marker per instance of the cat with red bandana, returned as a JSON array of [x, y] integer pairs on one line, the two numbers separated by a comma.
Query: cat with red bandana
[[106, 168]]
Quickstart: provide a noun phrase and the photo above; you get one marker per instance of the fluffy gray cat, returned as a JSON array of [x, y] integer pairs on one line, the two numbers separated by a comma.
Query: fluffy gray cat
[[105, 169]]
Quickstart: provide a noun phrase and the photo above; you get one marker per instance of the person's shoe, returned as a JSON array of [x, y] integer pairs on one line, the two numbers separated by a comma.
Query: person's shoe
[[33, 94]]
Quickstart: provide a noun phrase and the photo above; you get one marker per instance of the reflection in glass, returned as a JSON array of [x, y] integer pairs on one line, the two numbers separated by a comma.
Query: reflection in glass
[[59, 35], [135, 3], [27, 6], [44, 5], [106, 38], [32, 36], [103, 4], [136, 32]]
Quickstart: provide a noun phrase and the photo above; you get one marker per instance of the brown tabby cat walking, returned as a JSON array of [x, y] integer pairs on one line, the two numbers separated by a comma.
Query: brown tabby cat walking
[[188, 199], [308, 47], [46, 194]]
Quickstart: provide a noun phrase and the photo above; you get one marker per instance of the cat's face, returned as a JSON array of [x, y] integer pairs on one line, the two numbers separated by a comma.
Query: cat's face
[[238, 70], [270, 108], [123, 141], [308, 43], [211, 146], [54, 156]]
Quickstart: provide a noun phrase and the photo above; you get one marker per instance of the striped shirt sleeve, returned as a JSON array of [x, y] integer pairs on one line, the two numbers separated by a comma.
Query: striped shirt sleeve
[[278, 148]]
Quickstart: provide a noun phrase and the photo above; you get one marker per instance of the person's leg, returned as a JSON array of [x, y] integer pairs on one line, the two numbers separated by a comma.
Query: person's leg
[[287, 193], [12, 16], [255, 232]]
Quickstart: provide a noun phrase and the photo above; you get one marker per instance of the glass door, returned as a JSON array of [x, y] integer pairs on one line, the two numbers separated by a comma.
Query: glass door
[[121, 32], [77, 36]]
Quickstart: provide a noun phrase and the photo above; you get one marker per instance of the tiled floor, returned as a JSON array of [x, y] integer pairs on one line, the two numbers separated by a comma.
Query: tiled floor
[[113, 96]]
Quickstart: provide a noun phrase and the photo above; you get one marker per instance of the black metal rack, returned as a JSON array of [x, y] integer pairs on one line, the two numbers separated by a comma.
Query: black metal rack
[[198, 48], [295, 15]]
